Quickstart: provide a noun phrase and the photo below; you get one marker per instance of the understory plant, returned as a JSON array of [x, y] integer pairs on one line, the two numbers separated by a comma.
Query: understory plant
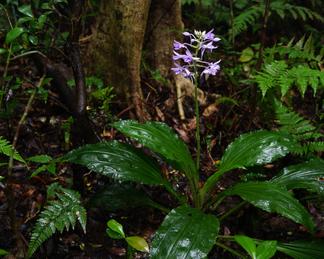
[[192, 229]]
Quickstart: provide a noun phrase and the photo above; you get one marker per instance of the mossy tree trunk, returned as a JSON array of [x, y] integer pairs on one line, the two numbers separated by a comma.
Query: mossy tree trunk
[[115, 50], [116, 46]]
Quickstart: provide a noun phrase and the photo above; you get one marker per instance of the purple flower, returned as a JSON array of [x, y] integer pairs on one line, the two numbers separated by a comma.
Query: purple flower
[[208, 46], [182, 70], [210, 36], [177, 45], [187, 58], [212, 68]]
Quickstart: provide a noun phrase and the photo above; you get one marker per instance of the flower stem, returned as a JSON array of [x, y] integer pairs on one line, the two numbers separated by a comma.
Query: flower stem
[[232, 251]]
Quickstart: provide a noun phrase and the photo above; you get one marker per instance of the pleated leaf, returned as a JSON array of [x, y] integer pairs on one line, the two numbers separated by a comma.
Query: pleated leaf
[[303, 249], [256, 148], [161, 139], [250, 149], [118, 160], [121, 196], [185, 233], [308, 175], [272, 197]]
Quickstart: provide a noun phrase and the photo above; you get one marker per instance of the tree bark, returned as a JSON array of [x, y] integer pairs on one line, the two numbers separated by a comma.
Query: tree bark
[[116, 48]]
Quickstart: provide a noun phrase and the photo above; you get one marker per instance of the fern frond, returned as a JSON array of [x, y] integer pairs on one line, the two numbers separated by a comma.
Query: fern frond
[[268, 78], [303, 131], [243, 20], [7, 149], [60, 214], [297, 12], [277, 74]]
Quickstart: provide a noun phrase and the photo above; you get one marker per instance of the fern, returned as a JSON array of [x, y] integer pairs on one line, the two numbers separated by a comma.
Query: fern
[[303, 131], [245, 19], [60, 214], [7, 149], [277, 74]]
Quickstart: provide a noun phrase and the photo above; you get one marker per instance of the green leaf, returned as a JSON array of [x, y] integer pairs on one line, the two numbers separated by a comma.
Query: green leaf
[[250, 149], [304, 249], [247, 243], [185, 233], [266, 249], [7, 149], [13, 34], [42, 159], [3, 252], [121, 196], [272, 197], [2, 51], [246, 55], [118, 160], [161, 139], [306, 175], [26, 10], [138, 243], [115, 229]]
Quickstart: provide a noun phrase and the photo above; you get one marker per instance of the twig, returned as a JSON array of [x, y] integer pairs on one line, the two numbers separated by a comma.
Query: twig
[[9, 190]]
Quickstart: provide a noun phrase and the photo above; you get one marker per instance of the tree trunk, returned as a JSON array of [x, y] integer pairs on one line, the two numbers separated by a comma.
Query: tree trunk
[[116, 48]]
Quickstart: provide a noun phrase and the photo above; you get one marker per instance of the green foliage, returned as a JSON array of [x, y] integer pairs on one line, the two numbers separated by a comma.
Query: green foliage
[[115, 231], [300, 129], [264, 250], [59, 214], [278, 75], [306, 175], [246, 18], [7, 149], [305, 249], [185, 233], [272, 197], [256, 148], [115, 197]]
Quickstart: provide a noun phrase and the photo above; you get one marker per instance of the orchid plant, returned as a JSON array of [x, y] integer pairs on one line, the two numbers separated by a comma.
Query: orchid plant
[[192, 228]]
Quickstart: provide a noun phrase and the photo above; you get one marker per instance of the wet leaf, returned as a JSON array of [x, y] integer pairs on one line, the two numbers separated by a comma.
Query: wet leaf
[[185, 233], [118, 160], [247, 243], [161, 139], [308, 175], [138, 243], [272, 198], [13, 34], [266, 249], [121, 196], [305, 249], [26, 10], [250, 149], [115, 229]]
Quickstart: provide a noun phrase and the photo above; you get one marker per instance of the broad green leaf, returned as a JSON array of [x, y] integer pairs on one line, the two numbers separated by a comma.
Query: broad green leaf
[[40, 159], [51, 168], [26, 10], [246, 55], [2, 51], [272, 197], [247, 243], [161, 139], [185, 233], [303, 249], [13, 34], [3, 252], [138, 243], [256, 148], [308, 175], [115, 229], [250, 149], [122, 196], [266, 249], [118, 160]]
